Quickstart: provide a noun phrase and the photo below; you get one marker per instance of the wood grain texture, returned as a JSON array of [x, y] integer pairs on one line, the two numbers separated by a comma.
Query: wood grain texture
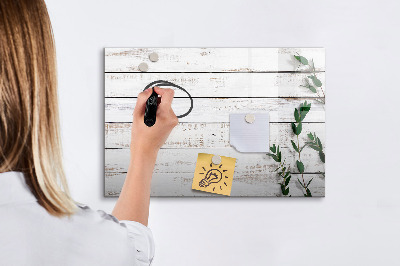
[[206, 110], [215, 84], [211, 59], [208, 135], [180, 184], [184, 161], [222, 81]]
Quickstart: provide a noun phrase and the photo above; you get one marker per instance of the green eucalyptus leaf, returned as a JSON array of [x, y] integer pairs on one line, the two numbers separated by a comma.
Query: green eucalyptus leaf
[[273, 148], [300, 166], [301, 59], [294, 128], [310, 136], [319, 143], [286, 192], [294, 146], [312, 88], [316, 81], [314, 147], [309, 182], [287, 181], [298, 129], [276, 159], [302, 115], [304, 109], [301, 184], [308, 193], [283, 189], [305, 106], [322, 156], [296, 115]]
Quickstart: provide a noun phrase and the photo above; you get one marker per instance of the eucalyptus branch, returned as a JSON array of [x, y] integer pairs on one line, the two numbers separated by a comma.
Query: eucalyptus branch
[[315, 82], [314, 85], [315, 144], [282, 169], [299, 115]]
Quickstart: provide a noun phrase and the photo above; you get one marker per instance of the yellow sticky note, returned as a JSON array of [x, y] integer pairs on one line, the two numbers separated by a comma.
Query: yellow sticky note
[[214, 178]]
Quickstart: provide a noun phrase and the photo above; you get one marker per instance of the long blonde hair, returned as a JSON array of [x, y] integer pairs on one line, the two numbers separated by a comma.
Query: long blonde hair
[[29, 119]]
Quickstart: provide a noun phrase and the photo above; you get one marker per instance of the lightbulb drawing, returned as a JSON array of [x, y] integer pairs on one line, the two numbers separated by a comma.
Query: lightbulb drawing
[[213, 176]]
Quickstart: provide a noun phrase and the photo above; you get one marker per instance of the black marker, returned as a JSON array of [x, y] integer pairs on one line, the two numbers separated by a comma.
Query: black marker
[[154, 100], [151, 109]]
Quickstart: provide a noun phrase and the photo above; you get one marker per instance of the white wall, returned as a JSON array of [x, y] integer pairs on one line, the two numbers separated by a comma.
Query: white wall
[[356, 224]]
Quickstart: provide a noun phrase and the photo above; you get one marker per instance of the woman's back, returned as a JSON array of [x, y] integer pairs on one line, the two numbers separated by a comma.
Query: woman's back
[[31, 236], [40, 223]]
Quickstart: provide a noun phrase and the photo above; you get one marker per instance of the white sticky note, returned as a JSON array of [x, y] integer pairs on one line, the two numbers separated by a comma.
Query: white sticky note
[[249, 137]]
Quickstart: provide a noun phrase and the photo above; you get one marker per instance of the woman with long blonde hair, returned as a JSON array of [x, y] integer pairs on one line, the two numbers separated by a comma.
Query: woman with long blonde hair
[[40, 223]]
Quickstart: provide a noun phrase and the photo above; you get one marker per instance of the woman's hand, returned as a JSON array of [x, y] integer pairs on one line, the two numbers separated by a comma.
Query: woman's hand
[[148, 140], [133, 202]]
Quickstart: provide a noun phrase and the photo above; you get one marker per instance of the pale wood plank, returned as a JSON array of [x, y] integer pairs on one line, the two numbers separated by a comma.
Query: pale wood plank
[[215, 84], [218, 109], [252, 165], [180, 184], [208, 135], [211, 59], [254, 176]]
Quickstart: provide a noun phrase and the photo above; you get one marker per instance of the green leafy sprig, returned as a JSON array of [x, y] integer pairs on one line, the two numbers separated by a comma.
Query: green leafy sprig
[[315, 144], [311, 82], [283, 170], [314, 85], [299, 115]]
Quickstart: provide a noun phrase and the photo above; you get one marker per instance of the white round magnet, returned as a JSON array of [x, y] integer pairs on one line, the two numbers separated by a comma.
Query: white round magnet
[[143, 67], [216, 159], [153, 57], [250, 118]]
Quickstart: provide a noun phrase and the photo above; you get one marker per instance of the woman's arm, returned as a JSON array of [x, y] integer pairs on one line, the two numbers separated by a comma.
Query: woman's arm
[[133, 202]]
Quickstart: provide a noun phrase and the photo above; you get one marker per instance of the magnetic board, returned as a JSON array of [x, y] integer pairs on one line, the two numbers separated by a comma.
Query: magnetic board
[[221, 81]]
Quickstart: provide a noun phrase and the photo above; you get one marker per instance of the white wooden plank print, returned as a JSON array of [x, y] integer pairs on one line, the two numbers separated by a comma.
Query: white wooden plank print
[[206, 135], [221, 81], [217, 109], [184, 161], [180, 184], [211, 59], [214, 84]]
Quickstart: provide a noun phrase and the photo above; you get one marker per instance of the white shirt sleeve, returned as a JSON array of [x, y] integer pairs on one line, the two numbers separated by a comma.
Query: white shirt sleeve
[[143, 239], [140, 236]]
